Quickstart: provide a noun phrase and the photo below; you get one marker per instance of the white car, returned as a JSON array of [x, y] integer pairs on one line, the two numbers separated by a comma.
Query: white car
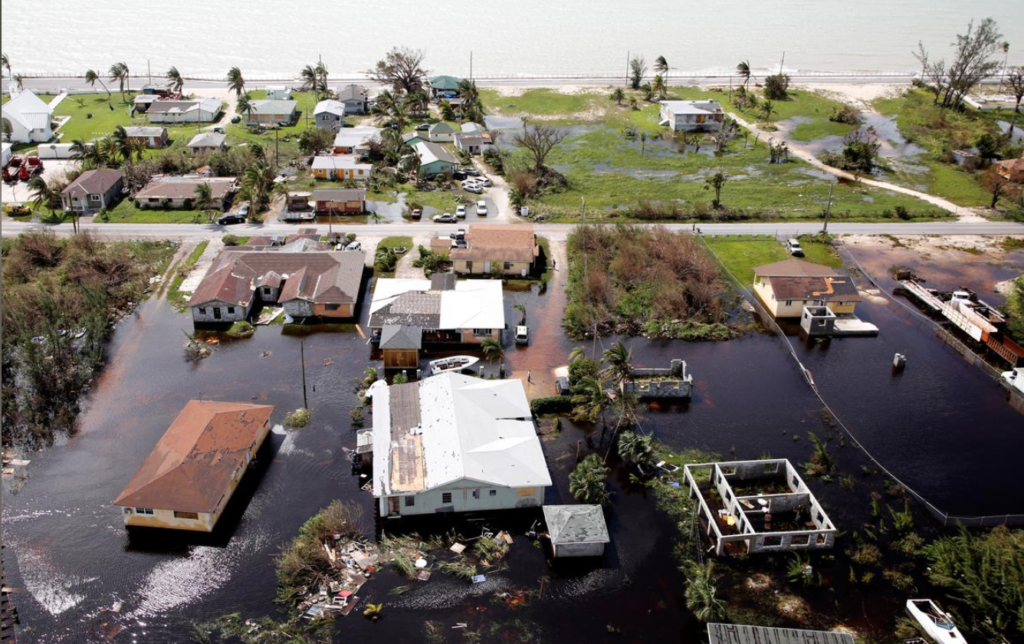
[[481, 208], [475, 188], [487, 183], [354, 246], [460, 212]]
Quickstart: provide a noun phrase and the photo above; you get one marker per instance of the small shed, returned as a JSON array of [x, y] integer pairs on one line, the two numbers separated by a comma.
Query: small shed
[[576, 530], [401, 346]]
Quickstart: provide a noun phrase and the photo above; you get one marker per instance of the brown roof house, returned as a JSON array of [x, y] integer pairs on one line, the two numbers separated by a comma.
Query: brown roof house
[[512, 248], [93, 190], [180, 192], [1012, 169], [307, 284], [187, 480], [786, 287]]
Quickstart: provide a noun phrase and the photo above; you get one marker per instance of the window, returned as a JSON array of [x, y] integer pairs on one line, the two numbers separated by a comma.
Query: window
[[799, 540], [332, 307], [186, 515], [789, 302], [476, 494], [94, 197], [821, 539], [127, 510], [148, 511], [771, 468], [481, 332], [772, 542], [446, 497], [508, 266], [202, 310], [266, 291], [231, 310], [410, 501], [728, 470], [492, 493]]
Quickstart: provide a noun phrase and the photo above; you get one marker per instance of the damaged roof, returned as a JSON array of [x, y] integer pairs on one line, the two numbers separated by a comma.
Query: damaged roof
[[453, 427], [493, 242], [194, 461], [472, 304], [576, 524], [814, 288], [316, 276]]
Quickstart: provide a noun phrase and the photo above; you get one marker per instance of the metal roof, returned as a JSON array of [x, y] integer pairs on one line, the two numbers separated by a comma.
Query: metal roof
[[576, 524], [743, 634], [428, 152], [207, 140], [354, 137], [339, 162], [693, 107], [453, 427], [330, 106], [401, 336], [273, 106], [472, 304]]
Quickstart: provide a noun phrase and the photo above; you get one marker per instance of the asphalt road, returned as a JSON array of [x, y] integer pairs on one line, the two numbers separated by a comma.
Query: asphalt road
[[555, 232]]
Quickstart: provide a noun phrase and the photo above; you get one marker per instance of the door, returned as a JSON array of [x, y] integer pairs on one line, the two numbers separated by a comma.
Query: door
[[393, 505], [216, 313], [487, 267]]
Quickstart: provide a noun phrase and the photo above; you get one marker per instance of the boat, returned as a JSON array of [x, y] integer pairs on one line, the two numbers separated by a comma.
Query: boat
[[937, 624], [1015, 379], [453, 363]]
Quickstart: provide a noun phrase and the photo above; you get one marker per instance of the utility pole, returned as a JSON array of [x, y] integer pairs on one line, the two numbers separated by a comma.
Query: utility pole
[[302, 350], [783, 63], [470, 64], [149, 72], [277, 150], [828, 208], [627, 68]]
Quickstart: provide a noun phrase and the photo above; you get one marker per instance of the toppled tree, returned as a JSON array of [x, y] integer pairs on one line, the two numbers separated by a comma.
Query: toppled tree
[[539, 140], [402, 69]]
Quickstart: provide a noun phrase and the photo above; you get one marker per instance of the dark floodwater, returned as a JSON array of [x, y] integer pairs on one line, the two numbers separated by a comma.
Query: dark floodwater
[[935, 426]]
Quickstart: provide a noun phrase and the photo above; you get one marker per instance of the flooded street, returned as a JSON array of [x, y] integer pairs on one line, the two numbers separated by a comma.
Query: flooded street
[[935, 426]]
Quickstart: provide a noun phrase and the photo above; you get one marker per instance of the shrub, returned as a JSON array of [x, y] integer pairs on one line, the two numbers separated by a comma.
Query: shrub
[[241, 329], [551, 405], [587, 481], [776, 87], [581, 368], [231, 240]]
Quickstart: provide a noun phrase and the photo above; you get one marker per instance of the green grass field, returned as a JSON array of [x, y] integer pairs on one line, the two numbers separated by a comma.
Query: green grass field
[[126, 212], [742, 255], [91, 117], [274, 140], [174, 294]]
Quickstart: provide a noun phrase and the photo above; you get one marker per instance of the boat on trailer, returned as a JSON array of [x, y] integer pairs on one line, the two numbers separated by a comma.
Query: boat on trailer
[[453, 363], [936, 623]]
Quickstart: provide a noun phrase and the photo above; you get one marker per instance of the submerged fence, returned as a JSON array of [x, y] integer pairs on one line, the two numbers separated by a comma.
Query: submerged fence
[[947, 519]]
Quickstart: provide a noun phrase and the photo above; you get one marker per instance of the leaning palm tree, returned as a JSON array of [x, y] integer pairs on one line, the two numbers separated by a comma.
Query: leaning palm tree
[[126, 146], [245, 105], [701, 592], [658, 86], [661, 67], [175, 81], [590, 401], [618, 363], [119, 72], [45, 195], [522, 311], [20, 81], [5, 63], [492, 349], [383, 106], [636, 448], [767, 109], [235, 81], [321, 78], [92, 77], [310, 80], [418, 102], [204, 199], [743, 69], [618, 95], [576, 354]]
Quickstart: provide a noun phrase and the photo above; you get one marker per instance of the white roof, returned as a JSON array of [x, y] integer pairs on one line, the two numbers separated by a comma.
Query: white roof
[[207, 140], [469, 429], [330, 106], [692, 107], [144, 130], [339, 162], [353, 137], [428, 152], [473, 127], [474, 304], [29, 110]]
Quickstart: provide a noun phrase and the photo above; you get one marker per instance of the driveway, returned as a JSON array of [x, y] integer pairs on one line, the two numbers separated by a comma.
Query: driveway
[[19, 192], [497, 193]]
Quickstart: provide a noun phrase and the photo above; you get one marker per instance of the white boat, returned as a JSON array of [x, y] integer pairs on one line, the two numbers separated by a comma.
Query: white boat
[[453, 363], [1015, 379], [937, 624]]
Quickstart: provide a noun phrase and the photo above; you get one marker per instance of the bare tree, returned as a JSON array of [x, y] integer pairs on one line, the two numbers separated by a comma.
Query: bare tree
[[972, 61], [637, 71], [539, 140], [996, 183], [402, 68], [1015, 83]]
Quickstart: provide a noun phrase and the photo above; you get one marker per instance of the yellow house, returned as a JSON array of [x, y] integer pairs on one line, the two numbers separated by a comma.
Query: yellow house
[[786, 287], [340, 167], [187, 480], [513, 248]]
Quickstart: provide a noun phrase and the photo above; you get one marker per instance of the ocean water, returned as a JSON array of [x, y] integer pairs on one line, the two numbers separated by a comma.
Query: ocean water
[[535, 37]]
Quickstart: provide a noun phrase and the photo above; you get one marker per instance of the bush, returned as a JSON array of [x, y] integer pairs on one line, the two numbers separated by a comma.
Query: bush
[[776, 87], [551, 405], [231, 240], [241, 329], [588, 480], [581, 368], [298, 418]]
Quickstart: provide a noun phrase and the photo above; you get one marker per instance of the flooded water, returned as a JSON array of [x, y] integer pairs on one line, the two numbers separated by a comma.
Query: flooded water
[[934, 426]]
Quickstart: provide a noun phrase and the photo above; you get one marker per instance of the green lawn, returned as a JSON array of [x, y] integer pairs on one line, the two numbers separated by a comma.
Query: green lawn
[[174, 294], [271, 140], [126, 212], [742, 255], [92, 118], [392, 243]]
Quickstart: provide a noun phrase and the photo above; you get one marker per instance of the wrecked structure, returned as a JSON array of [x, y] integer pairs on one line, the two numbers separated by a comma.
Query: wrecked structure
[[758, 506], [659, 382]]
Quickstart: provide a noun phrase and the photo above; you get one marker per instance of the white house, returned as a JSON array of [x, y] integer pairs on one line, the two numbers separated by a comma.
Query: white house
[[691, 116], [441, 132], [473, 142], [455, 443], [30, 118], [278, 93], [205, 110], [446, 312], [355, 140], [329, 114], [5, 156]]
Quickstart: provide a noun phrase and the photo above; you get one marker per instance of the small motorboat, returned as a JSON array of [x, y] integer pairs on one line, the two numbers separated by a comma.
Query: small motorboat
[[937, 624], [454, 363]]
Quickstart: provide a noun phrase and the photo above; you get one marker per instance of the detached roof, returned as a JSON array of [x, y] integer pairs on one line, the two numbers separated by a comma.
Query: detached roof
[[93, 182], [794, 268], [400, 336], [743, 634], [512, 243], [576, 524], [472, 304], [452, 427], [193, 463], [814, 288], [339, 194], [316, 276], [428, 152]]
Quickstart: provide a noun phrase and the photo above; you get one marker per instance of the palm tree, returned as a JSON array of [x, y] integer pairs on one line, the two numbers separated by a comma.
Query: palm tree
[[88, 153], [619, 363], [418, 102], [767, 109], [175, 81], [5, 63], [576, 354], [618, 96], [204, 199], [658, 87], [119, 72], [522, 311], [310, 80], [587, 480], [45, 195], [716, 182], [235, 81], [701, 592], [383, 106], [245, 105], [446, 110], [661, 66], [321, 76], [20, 80], [632, 102], [492, 349], [591, 401], [743, 69], [123, 143], [107, 151], [257, 181], [92, 77], [636, 448]]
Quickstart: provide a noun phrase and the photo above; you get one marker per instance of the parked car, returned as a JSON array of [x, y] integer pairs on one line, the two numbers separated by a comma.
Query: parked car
[[522, 335], [244, 210], [236, 119], [446, 218], [459, 235], [458, 175], [487, 183], [227, 220], [423, 127], [481, 208], [793, 246], [470, 171], [218, 130], [562, 387], [475, 187], [416, 213], [460, 212], [354, 246]]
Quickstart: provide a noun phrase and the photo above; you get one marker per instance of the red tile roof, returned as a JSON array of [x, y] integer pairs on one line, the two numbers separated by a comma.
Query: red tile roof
[[500, 243]]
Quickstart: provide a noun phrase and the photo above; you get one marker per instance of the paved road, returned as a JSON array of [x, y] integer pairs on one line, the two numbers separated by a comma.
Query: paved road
[[553, 231]]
